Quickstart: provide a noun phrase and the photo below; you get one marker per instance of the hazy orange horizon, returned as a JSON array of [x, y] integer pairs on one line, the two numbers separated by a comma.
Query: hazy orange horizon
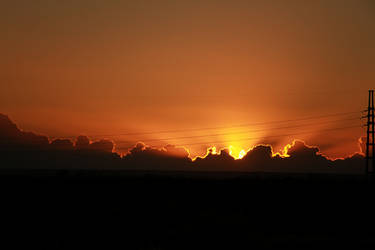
[[133, 67]]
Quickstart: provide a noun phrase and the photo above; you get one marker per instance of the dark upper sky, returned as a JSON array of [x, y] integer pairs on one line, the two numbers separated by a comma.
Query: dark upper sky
[[108, 67]]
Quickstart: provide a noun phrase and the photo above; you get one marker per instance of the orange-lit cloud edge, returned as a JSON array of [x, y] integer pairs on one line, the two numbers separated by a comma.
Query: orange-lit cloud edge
[[239, 153], [236, 152]]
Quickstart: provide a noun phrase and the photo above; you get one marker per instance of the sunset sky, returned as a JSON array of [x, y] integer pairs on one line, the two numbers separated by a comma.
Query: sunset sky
[[105, 68]]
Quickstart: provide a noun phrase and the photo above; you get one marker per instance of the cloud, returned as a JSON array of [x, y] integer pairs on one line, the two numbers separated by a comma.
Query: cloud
[[102, 145], [141, 149], [215, 161], [8, 128], [12, 138], [19, 149], [259, 153], [176, 151], [170, 157], [302, 159], [61, 144], [82, 142], [299, 149], [362, 144]]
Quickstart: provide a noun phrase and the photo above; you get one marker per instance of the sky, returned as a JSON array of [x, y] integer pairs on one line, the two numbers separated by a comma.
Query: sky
[[105, 68]]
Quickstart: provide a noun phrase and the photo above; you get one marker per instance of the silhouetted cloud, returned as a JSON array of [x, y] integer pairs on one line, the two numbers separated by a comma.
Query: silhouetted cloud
[[82, 142], [302, 158], [300, 150], [102, 145], [259, 153], [215, 161], [20, 149], [12, 138], [141, 149], [362, 144], [61, 144], [176, 151], [142, 156], [8, 128]]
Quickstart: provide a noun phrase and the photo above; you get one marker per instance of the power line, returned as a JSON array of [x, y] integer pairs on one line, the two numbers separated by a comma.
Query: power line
[[238, 132], [248, 139], [256, 138], [224, 127]]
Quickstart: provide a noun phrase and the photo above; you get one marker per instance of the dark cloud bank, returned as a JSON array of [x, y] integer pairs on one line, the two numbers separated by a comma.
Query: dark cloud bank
[[26, 150]]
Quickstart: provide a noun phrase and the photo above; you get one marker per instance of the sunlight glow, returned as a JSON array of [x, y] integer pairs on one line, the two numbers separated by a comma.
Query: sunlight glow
[[284, 151], [236, 152], [210, 151]]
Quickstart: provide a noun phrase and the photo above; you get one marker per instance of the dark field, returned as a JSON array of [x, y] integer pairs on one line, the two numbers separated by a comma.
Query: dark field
[[171, 210]]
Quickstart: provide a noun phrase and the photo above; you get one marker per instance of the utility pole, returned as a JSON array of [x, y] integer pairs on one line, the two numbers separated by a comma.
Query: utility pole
[[370, 145]]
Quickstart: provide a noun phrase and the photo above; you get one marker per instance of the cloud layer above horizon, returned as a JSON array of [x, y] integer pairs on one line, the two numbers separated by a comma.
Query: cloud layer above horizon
[[19, 149]]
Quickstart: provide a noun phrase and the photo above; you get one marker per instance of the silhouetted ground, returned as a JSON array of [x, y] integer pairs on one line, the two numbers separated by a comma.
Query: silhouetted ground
[[176, 210]]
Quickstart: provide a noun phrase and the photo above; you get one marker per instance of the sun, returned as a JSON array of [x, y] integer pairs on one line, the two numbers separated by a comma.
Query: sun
[[237, 152]]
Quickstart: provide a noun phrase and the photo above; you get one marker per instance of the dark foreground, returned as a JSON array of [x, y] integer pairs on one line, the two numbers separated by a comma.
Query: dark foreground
[[140, 210]]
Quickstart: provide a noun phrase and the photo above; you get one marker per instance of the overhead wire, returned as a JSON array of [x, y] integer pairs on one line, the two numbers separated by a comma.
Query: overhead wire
[[233, 133], [212, 143], [221, 127], [266, 137]]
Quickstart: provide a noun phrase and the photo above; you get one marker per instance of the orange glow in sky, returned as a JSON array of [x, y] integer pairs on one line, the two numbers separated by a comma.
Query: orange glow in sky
[[129, 67], [237, 152]]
